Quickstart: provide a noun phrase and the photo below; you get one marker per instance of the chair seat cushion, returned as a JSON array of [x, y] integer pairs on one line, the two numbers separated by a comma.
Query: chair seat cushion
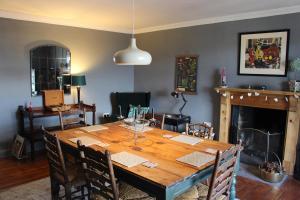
[[128, 192], [197, 192]]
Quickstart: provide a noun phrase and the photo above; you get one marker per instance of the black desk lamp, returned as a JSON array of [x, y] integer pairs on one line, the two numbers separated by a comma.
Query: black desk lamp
[[78, 81], [176, 94]]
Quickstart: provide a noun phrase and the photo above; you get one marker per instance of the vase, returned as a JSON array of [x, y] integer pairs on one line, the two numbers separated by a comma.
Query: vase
[[294, 85]]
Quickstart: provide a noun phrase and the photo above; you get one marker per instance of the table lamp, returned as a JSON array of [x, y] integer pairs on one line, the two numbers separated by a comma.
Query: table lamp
[[176, 94], [78, 81]]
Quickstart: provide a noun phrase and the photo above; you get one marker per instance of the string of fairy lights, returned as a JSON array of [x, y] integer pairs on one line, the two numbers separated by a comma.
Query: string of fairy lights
[[256, 94]]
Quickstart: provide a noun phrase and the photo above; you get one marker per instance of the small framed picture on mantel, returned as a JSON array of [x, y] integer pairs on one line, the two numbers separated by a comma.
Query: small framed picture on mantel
[[186, 74], [263, 53]]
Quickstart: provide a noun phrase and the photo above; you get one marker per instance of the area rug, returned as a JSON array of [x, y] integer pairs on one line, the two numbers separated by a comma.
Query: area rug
[[36, 190], [251, 172]]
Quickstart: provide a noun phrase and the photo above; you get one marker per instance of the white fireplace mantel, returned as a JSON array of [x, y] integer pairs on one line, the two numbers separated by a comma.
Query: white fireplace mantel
[[281, 100]]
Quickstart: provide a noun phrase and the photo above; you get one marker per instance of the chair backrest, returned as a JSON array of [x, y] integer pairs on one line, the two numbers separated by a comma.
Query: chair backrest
[[202, 130], [223, 172], [99, 172], [72, 118], [55, 157]]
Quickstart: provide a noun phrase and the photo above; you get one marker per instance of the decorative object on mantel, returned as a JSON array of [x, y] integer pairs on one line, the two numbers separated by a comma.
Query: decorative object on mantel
[[78, 81], [263, 53], [294, 84], [132, 55], [176, 94], [257, 93], [186, 74], [254, 87], [223, 78]]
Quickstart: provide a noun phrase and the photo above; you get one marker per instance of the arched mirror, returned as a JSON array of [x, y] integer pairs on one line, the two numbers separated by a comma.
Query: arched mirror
[[50, 69]]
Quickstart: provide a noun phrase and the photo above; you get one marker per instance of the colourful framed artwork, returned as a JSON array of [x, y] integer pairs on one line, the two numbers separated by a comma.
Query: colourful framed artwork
[[186, 74], [263, 53]]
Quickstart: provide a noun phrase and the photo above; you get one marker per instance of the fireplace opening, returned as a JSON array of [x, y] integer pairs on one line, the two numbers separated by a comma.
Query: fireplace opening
[[261, 131]]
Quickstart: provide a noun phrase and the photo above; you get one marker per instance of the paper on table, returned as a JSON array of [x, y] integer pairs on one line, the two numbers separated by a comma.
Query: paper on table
[[196, 159], [127, 159], [88, 141], [93, 128], [210, 150], [168, 136], [187, 139]]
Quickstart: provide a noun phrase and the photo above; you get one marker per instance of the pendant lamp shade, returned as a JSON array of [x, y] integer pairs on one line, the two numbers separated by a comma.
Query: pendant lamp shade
[[132, 55]]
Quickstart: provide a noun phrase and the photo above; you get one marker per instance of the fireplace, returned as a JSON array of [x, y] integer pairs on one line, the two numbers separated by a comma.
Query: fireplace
[[286, 103], [262, 132]]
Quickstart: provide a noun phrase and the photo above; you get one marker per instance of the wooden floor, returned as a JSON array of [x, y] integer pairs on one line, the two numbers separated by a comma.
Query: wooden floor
[[14, 173]]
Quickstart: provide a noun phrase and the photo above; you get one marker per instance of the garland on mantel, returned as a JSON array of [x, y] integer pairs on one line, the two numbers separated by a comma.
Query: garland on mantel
[[256, 94]]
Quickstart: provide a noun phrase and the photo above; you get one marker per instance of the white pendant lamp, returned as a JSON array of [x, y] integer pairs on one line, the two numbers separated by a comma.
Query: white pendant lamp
[[132, 55]]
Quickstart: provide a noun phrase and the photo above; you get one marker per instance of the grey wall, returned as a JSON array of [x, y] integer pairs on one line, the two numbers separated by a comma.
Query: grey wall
[[217, 46], [91, 53]]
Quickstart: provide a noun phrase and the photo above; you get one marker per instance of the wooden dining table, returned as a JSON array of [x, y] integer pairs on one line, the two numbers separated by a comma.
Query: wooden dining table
[[170, 177]]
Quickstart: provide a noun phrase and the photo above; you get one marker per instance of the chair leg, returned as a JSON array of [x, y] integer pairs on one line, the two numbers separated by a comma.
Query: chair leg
[[82, 192], [68, 193], [54, 189]]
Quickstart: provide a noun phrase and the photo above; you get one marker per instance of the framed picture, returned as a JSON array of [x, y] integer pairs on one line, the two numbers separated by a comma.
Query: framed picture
[[186, 74], [17, 147], [263, 53]]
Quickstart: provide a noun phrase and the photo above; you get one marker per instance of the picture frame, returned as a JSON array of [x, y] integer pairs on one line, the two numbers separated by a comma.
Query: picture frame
[[263, 53], [18, 147], [186, 67]]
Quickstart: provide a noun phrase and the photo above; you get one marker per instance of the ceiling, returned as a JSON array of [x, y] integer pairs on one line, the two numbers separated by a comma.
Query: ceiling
[[151, 15]]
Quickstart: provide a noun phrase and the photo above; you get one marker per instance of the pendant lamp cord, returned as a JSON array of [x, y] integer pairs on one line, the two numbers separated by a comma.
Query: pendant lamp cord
[[133, 18]]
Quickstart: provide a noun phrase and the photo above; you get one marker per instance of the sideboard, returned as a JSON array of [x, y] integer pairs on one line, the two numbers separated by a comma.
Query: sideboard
[[28, 116]]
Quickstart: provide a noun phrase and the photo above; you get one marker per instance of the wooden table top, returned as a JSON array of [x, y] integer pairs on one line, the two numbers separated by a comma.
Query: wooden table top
[[154, 148]]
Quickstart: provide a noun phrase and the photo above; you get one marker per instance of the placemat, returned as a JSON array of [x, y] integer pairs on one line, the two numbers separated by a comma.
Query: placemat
[[196, 159], [88, 141], [127, 159], [139, 129], [93, 128], [187, 139]]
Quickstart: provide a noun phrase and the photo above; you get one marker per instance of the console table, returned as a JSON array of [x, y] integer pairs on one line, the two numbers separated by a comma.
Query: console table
[[27, 118]]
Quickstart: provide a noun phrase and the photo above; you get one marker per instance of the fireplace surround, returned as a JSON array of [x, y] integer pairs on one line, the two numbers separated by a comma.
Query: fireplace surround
[[269, 99]]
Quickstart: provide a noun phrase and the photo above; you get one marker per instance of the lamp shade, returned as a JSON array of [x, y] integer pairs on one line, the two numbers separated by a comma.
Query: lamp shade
[[66, 79], [132, 55], [78, 80]]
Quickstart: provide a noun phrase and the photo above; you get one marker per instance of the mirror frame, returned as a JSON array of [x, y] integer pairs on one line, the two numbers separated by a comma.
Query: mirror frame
[[52, 63]]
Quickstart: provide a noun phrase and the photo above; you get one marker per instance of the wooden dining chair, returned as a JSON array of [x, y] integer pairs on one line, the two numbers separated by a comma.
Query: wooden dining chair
[[221, 180], [74, 119], [201, 130], [61, 174], [102, 183]]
